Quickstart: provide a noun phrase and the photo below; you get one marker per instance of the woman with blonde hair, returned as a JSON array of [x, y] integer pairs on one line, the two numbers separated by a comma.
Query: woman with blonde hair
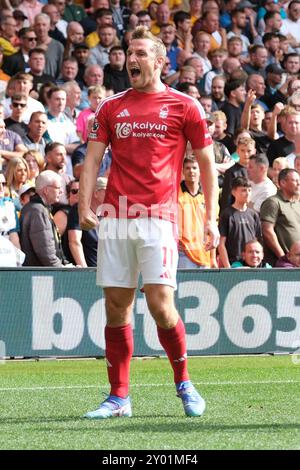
[[17, 173], [36, 163]]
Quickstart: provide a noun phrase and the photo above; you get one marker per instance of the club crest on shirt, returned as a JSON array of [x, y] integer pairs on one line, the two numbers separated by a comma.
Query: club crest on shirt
[[164, 111], [95, 126]]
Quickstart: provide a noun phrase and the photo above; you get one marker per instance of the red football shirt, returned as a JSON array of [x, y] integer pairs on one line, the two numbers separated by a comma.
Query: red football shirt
[[148, 134]]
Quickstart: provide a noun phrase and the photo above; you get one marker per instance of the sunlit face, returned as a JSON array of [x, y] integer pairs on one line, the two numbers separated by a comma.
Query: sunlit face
[[256, 117], [142, 64], [206, 104], [187, 77], [253, 254], [53, 192], [217, 89], [37, 62], [242, 194], [94, 100], [69, 70], [20, 173], [57, 102], [191, 172], [107, 36], [74, 193], [291, 184], [57, 157], [38, 124], [33, 166], [220, 127], [94, 76], [245, 151]]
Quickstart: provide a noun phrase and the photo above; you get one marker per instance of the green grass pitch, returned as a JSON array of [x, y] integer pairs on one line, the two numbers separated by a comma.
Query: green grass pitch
[[252, 403]]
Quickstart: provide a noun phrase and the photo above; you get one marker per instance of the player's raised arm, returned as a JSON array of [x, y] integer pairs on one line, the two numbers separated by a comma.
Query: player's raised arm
[[94, 155], [209, 183]]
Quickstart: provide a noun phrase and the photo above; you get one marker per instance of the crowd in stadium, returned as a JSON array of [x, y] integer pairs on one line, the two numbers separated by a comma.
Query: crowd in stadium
[[60, 58]]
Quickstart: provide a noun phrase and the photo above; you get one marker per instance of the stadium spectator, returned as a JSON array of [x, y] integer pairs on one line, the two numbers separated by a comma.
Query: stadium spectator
[[18, 62], [290, 25], [201, 48], [115, 73], [83, 243], [11, 145], [55, 156], [75, 36], [23, 83], [191, 221], [73, 100], [262, 187], [30, 8], [54, 49], [81, 53], [17, 174], [60, 127], [238, 223], [216, 58], [35, 162], [27, 190], [291, 259], [280, 163], [239, 21], [69, 71], [15, 122], [252, 256], [252, 119], [280, 216], [37, 64], [35, 138], [40, 239], [99, 55], [93, 75], [9, 221], [162, 16], [217, 91], [285, 145], [95, 95], [258, 56], [245, 148], [235, 93]]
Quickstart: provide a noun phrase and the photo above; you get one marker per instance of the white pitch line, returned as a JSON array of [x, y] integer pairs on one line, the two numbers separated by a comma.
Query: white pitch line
[[72, 387]]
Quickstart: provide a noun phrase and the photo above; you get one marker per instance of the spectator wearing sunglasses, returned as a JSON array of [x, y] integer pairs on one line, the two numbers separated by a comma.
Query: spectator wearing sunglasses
[[18, 62], [15, 121]]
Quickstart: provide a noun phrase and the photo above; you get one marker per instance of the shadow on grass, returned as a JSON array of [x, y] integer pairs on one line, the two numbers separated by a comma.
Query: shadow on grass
[[132, 425]]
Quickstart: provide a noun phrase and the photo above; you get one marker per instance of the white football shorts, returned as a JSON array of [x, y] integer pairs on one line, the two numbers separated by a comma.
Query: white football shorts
[[128, 247]]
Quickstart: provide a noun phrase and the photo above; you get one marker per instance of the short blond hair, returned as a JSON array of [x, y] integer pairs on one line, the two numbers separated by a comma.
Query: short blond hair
[[220, 116], [141, 32], [246, 141]]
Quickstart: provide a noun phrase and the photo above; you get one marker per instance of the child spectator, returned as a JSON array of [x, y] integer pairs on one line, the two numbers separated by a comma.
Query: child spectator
[[95, 95], [245, 148], [238, 224]]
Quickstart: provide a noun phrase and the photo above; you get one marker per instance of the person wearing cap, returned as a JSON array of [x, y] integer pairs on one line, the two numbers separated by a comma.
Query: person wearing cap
[[83, 243], [81, 53], [21, 19], [25, 193]]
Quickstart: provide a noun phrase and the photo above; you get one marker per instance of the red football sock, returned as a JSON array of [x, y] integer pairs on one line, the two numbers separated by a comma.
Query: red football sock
[[119, 349], [173, 342]]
